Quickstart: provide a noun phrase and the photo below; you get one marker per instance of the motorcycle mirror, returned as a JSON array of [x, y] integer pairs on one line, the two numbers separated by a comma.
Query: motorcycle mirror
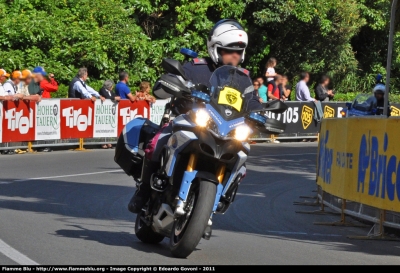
[[159, 92], [172, 85], [174, 67]]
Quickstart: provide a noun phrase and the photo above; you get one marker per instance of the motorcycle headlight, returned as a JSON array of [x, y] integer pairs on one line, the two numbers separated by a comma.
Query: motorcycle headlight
[[202, 117], [242, 132]]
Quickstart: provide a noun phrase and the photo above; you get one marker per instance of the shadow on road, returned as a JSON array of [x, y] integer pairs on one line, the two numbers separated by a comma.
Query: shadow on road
[[265, 208]]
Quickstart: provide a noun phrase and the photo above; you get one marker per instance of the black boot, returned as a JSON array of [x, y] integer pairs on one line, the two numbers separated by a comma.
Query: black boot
[[140, 198], [207, 233], [142, 193]]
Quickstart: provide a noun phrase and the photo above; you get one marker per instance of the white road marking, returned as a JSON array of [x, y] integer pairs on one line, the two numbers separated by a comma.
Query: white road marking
[[291, 154], [15, 255], [258, 194], [302, 233], [67, 175]]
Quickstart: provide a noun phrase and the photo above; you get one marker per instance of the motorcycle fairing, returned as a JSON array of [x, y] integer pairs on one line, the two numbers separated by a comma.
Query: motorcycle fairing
[[177, 142], [131, 133]]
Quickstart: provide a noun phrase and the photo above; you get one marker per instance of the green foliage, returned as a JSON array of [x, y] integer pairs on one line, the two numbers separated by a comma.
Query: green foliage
[[345, 39]]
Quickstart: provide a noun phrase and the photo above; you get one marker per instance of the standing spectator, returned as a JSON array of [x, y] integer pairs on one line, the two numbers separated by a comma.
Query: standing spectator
[[107, 91], [262, 90], [273, 88], [81, 90], [25, 81], [321, 92], [270, 69], [285, 88], [3, 77], [122, 90], [11, 85], [47, 82], [144, 93], [256, 86], [302, 91]]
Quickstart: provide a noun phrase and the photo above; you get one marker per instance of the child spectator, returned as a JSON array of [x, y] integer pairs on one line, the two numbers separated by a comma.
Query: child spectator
[[270, 69]]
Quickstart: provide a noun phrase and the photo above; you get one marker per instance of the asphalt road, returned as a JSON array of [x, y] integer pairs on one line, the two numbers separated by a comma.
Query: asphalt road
[[69, 207]]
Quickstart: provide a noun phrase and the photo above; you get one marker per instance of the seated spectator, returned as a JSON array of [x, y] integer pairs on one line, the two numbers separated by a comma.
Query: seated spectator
[[262, 90], [121, 88], [23, 85], [144, 93], [302, 91], [107, 91], [273, 88], [256, 85], [81, 90], [321, 91], [47, 82], [10, 86], [285, 88]]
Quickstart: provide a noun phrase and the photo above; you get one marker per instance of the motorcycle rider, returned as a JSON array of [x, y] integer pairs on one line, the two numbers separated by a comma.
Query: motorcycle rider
[[226, 44], [379, 93]]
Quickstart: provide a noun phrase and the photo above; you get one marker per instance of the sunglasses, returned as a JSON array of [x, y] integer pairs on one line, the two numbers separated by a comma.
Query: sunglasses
[[231, 51], [256, 84]]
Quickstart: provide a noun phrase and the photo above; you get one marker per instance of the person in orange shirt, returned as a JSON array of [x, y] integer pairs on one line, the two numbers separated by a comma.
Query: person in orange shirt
[[47, 83]]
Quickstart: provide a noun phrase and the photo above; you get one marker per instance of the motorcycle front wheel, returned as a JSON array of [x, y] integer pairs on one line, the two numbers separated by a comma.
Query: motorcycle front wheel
[[144, 232], [189, 228]]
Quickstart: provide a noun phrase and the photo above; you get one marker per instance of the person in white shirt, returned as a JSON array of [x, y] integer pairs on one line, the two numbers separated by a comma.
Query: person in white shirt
[[22, 87], [270, 68], [10, 86], [3, 77], [86, 91]]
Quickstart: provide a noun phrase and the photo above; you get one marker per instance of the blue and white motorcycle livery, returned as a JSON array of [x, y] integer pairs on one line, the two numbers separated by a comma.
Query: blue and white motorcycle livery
[[203, 163]]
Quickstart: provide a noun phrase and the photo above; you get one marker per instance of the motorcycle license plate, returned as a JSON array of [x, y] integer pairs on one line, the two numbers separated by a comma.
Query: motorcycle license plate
[[231, 97]]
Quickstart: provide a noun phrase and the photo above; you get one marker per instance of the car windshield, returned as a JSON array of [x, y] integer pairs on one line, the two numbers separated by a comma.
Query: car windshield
[[229, 85]]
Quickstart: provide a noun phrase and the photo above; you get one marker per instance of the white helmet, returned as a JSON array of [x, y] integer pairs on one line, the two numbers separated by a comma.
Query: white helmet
[[379, 89], [228, 34]]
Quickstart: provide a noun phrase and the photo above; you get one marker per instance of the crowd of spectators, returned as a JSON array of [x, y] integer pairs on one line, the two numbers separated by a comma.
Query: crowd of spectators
[[37, 84]]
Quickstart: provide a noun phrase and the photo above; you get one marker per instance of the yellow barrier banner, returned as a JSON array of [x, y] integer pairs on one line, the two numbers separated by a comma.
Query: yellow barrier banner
[[359, 160]]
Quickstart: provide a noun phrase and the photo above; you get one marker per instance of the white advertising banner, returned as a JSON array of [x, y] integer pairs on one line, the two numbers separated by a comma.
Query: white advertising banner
[[157, 110], [105, 119], [47, 116]]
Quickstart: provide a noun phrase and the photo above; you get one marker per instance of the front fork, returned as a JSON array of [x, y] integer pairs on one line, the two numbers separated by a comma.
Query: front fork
[[188, 177]]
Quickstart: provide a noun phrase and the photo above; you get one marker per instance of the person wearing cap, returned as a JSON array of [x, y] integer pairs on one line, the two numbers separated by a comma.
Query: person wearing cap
[[3, 77], [11, 85], [26, 79], [47, 82]]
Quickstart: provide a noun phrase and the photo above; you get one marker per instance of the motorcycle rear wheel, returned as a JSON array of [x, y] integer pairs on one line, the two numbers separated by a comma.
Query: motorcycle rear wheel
[[188, 229], [145, 233]]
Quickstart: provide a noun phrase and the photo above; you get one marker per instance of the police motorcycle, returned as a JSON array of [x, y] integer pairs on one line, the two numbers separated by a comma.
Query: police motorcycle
[[365, 104], [203, 163]]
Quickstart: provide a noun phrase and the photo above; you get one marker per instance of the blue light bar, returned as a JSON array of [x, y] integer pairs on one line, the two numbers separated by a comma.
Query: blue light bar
[[258, 118], [201, 96]]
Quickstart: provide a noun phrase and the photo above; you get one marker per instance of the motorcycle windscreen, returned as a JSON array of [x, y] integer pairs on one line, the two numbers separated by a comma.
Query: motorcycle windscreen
[[231, 90]]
